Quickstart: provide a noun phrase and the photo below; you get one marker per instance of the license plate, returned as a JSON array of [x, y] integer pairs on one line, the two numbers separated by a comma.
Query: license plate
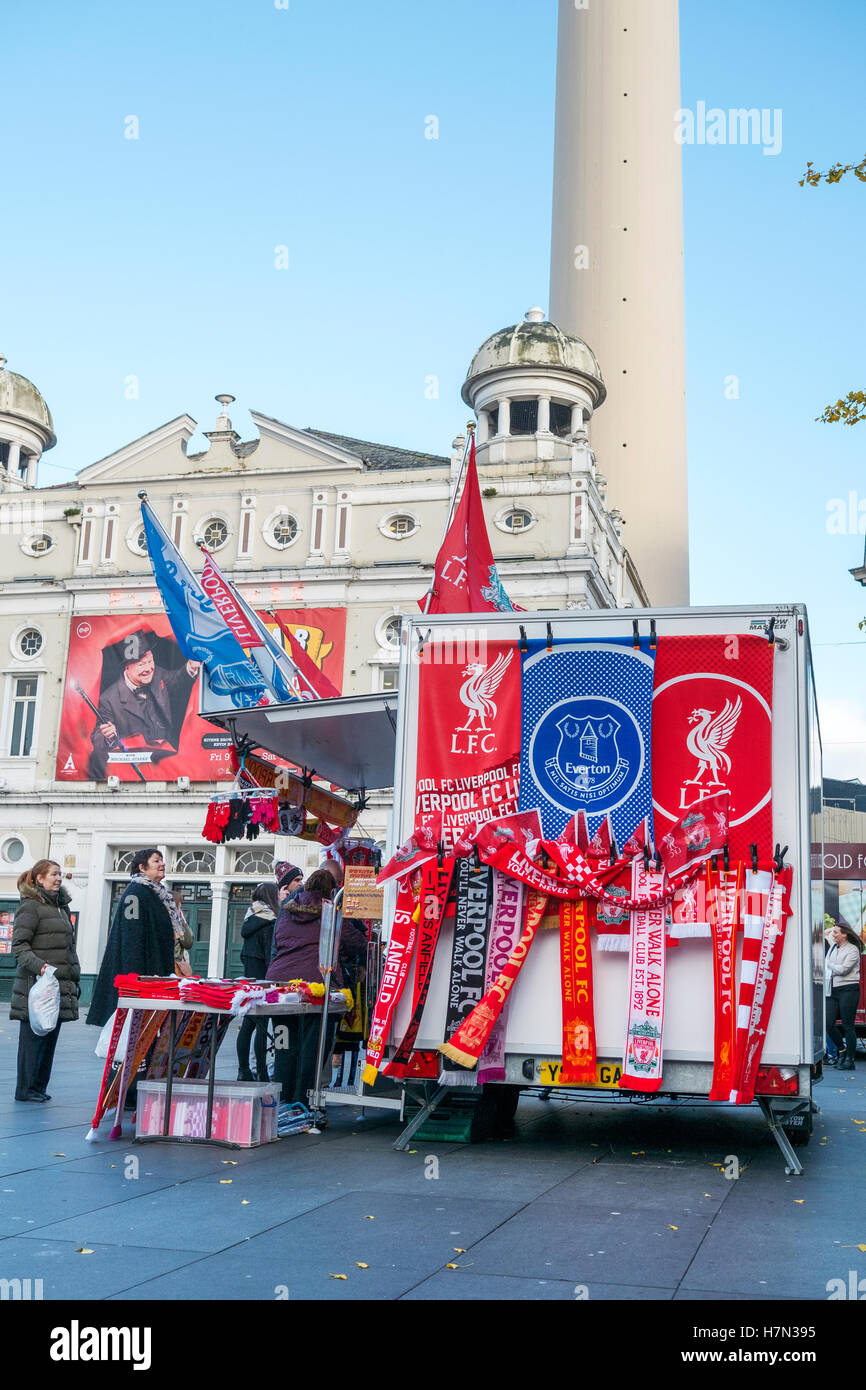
[[607, 1075]]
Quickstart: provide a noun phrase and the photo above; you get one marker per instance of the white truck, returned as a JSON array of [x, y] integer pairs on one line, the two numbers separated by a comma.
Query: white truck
[[794, 1043]]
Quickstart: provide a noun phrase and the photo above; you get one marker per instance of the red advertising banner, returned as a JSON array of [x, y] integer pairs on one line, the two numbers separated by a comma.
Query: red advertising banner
[[468, 734], [712, 732], [130, 699]]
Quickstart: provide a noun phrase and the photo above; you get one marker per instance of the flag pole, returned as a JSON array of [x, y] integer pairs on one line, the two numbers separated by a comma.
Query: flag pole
[[470, 433]]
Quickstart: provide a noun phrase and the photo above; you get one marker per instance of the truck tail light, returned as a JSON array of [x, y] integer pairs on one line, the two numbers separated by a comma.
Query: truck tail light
[[776, 1081]]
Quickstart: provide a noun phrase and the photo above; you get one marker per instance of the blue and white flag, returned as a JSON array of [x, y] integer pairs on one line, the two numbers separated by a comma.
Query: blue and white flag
[[586, 734], [201, 631]]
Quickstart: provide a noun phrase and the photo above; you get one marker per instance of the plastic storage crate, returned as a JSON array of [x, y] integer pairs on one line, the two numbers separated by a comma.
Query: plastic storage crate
[[244, 1112]]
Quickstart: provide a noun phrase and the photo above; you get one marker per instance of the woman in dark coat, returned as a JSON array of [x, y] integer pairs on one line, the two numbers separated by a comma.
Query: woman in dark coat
[[43, 935], [141, 940], [257, 931], [296, 957]]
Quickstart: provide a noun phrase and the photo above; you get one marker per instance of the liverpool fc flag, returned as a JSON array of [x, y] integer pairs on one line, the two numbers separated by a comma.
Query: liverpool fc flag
[[465, 578]]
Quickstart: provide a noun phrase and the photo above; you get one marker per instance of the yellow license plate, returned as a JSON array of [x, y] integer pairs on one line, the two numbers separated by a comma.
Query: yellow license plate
[[607, 1075]]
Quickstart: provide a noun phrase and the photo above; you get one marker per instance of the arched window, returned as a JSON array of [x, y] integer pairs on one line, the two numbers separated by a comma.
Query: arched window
[[254, 861], [195, 861], [123, 861]]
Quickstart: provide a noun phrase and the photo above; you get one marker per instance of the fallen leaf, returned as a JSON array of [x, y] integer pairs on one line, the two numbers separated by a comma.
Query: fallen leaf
[[413, 1151], [83, 1250], [673, 1228], [706, 1194], [361, 1265], [799, 1201], [232, 1162], [635, 1153], [369, 1218], [857, 1122], [458, 1251], [224, 1181], [338, 1276], [244, 1202], [452, 1266], [58, 1155]]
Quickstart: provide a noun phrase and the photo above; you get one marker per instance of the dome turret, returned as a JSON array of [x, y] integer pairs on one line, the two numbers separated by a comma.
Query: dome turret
[[26, 427]]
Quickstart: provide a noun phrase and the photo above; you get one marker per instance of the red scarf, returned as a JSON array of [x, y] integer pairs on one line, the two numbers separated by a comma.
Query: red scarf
[[578, 1020], [723, 904], [397, 959], [435, 883]]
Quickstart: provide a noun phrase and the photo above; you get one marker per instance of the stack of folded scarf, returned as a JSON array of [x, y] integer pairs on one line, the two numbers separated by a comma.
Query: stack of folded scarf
[[147, 986]]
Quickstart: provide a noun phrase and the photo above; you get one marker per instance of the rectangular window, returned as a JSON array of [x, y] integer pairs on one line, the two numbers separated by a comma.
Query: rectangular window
[[108, 543], [493, 421], [23, 717], [524, 417], [342, 520], [86, 532], [390, 677], [578, 517], [560, 419], [245, 533], [317, 529], [178, 528]]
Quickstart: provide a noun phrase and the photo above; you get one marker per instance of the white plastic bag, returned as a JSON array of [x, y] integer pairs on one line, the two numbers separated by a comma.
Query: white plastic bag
[[104, 1040], [43, 1004]]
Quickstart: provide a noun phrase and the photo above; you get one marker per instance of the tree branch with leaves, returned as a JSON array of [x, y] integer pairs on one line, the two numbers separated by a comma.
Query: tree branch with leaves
[[850, 409]]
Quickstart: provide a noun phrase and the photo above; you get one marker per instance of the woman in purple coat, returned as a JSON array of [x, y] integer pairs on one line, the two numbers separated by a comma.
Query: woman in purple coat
[[296, 957]]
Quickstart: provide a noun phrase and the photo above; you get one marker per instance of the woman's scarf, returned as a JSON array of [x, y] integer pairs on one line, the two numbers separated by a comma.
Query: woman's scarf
[[179, 924], [260, 909]]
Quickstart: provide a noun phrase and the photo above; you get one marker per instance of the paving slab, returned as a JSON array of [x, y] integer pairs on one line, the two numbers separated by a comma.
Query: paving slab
[[28, 1203], [233, 1275], [788, 1252], [465, 1286], [66, 1274]]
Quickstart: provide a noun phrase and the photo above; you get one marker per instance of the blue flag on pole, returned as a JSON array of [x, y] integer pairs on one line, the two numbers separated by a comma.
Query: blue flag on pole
[[586, 733], [201, 631]]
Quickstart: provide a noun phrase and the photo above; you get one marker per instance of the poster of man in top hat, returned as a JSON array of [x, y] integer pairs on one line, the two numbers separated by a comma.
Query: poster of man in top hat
[[144, 693]]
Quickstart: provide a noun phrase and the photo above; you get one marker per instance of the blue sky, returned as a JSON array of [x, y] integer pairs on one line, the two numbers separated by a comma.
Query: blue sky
[[304, 127]]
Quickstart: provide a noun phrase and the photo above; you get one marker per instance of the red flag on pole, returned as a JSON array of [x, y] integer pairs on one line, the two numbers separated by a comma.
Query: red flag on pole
[[465, 577]]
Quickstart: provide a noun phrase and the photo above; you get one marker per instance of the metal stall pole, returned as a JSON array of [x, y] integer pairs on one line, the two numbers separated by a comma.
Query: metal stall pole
[[329, 947]]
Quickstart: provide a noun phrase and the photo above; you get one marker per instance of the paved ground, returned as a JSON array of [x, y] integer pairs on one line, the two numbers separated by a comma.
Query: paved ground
[[584, 1200]]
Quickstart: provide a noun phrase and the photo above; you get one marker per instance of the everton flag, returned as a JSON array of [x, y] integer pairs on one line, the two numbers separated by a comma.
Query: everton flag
[[201, 630], [586, 734]]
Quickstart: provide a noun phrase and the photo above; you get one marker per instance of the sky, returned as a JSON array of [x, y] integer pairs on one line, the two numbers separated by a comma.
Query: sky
[[281, 229]]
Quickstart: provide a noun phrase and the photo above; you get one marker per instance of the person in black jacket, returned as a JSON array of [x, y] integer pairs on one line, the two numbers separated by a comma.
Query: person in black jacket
[[43, 935], [141, 940], [257, 931]]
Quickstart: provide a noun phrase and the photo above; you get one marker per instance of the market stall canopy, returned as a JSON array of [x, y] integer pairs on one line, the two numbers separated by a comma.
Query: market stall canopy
[[350, 741]]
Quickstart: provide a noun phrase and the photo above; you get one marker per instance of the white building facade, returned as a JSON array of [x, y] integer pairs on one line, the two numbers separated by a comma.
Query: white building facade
[[301, 520]]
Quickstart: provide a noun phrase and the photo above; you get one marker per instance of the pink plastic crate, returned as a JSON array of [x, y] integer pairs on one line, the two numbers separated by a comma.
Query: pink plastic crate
[[244, 1112]]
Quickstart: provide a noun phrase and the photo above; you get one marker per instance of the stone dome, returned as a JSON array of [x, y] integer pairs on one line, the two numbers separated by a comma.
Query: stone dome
[[20, 400], [535, 344]]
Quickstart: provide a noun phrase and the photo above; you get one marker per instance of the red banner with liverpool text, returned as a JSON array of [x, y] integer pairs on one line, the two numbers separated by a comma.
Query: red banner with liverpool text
[[468, 734]]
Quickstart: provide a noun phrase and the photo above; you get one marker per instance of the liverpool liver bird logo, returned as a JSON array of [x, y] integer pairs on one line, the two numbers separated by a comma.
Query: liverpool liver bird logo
[[708, 740], [477, 692]]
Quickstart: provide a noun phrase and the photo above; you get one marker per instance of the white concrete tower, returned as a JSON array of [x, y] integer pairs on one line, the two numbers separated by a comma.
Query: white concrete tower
[[616, 275], [26, 430]]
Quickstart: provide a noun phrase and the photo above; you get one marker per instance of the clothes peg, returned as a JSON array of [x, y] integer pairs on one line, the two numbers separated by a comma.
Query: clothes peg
[[753, 851], [523, 644], [440, 853], [613, 851], [726, 856], [714, 863], [653, 638], [779, 858], [771, 628], [549, 638], [646, 858], [476, 858], [635, 634], [658, 861]]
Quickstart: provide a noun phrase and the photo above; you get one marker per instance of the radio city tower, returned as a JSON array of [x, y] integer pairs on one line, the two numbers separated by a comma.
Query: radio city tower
[[616, 272]]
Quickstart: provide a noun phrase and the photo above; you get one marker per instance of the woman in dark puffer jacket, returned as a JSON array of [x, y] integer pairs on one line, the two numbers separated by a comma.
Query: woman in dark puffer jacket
[[43, 935]]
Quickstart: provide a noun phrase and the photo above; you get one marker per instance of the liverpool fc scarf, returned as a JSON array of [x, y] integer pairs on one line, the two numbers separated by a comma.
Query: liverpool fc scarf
[[764, 920], [509, 899], [723, 907], [474, 892], [397, 958], [435, 883], [578, 1021], [468, 1043], [642, 1066]]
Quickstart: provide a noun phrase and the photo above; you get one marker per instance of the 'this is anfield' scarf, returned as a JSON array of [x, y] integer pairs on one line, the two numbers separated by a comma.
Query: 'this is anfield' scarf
[[578, 1020], [474, 892], [397, 959], [468, 1043], [764, 919], [723, 910], [435, 883], [509, 900], [642, 1066]]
